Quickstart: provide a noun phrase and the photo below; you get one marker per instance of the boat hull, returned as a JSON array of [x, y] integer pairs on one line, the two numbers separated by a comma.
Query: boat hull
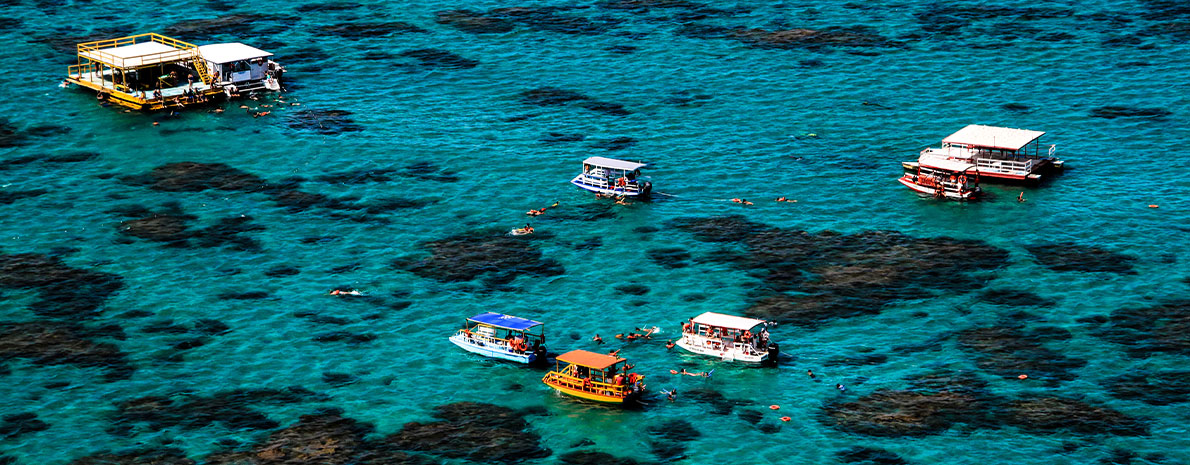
[[627, 192], [588, 395], [933, 191], [700, 347], [498, 351]]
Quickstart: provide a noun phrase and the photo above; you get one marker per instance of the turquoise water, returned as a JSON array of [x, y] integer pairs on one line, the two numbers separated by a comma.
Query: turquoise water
[[826, 124]]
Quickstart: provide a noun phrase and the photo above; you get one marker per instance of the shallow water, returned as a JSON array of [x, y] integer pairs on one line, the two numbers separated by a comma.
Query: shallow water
[[826, 124]]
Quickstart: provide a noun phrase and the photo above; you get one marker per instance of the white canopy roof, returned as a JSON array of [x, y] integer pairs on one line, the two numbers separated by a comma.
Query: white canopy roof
[[944, 164], [727, 321], [614, 164], [993, 137], [227, 53], [135, 55]]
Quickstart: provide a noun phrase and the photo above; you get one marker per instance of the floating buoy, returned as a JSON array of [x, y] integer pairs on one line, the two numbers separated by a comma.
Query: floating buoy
[[1152, 206], [775, 407], [1023, 377], [785, 418]]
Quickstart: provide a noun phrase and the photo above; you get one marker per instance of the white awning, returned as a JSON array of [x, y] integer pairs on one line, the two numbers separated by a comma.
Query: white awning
[[227, 53], [944, 164], [614, 164], [727, 321], [993, 137]]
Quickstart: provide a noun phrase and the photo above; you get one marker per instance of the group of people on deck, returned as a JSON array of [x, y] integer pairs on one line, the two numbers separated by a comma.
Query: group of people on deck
[[760, 339]]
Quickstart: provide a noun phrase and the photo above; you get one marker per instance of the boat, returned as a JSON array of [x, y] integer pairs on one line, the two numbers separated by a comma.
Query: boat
[[609, 176], [154, 72], [1000, 154], [730, 338], [505, 337], [944, 179], [597, 377]]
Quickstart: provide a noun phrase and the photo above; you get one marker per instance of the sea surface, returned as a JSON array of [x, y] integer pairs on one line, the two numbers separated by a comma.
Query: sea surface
[[165, 279]]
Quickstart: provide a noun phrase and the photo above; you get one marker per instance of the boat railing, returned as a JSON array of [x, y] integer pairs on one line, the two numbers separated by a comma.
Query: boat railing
[[472, 336], [715, 343], [95, 50], [1006, 165], [595, 387], [603, 183]]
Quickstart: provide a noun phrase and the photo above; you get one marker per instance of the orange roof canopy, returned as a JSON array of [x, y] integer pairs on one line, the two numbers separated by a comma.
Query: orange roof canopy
[[589, 359]]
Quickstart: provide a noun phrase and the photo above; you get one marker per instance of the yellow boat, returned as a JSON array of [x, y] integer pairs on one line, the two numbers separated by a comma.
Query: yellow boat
[[597, 377]]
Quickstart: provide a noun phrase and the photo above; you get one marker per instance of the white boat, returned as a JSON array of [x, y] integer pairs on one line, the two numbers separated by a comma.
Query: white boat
[[501, 336], [943, 178], [609, 176], [1004, 154], [730, 338]]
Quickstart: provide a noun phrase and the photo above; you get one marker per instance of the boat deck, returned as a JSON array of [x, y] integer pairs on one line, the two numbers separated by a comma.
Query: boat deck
[[167, 92]]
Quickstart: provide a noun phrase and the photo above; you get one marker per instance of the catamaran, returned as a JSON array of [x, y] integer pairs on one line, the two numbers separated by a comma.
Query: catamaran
[[505, 337], [729, 338], [609, 176], [597, 377], [1004, 154]]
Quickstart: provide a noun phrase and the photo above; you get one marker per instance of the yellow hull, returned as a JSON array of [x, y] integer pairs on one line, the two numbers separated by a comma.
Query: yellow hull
[[586, 395]]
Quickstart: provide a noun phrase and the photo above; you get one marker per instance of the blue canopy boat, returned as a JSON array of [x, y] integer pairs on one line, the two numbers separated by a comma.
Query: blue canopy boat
[[505, 337]]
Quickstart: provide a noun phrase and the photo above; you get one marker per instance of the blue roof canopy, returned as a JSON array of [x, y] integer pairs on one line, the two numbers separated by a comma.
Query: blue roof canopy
[[504, 321]]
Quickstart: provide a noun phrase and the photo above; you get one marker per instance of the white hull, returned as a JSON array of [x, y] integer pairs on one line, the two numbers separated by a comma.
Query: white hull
[[932, 191], [493, 350], [715, 348]]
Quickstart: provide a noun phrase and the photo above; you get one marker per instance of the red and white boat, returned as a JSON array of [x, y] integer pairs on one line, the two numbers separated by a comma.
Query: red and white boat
[[944, 178], [1001, 154]]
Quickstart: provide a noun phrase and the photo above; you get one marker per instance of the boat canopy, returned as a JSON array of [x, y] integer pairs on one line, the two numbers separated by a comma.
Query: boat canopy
[[993, 137], [614, 164], [944, 164], [231, 52], [501, 320], [134, 55], [590, 360], [727, 321]]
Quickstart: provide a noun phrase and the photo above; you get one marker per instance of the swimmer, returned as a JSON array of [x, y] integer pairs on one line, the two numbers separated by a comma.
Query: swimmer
[[781, 199], [64, 84], [841, 387], [810, 373], [1021, 198], [737, 200], [669, 344], [597, 339], [745, 202], [670, 394], [704, 374], [533, 213]]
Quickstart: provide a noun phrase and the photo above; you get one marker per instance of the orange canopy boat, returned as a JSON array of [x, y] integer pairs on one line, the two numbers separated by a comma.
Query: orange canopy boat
[[597, 377]]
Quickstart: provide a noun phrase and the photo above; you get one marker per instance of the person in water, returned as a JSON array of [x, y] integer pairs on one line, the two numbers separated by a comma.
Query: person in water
[[703, 374], [597, 339], [669, 344], [1021, 198]]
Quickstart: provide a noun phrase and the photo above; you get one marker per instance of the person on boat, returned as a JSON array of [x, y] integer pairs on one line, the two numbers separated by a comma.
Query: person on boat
[[615, 353], [587, 384], [619, 379], [686, 327], [628, 367]]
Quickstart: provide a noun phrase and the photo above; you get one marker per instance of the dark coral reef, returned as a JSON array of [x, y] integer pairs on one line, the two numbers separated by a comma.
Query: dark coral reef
[[808, 278]]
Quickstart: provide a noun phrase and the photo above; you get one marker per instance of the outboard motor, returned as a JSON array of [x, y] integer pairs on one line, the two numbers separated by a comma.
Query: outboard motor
[[774, 352], [540, 356], [646, 189]]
